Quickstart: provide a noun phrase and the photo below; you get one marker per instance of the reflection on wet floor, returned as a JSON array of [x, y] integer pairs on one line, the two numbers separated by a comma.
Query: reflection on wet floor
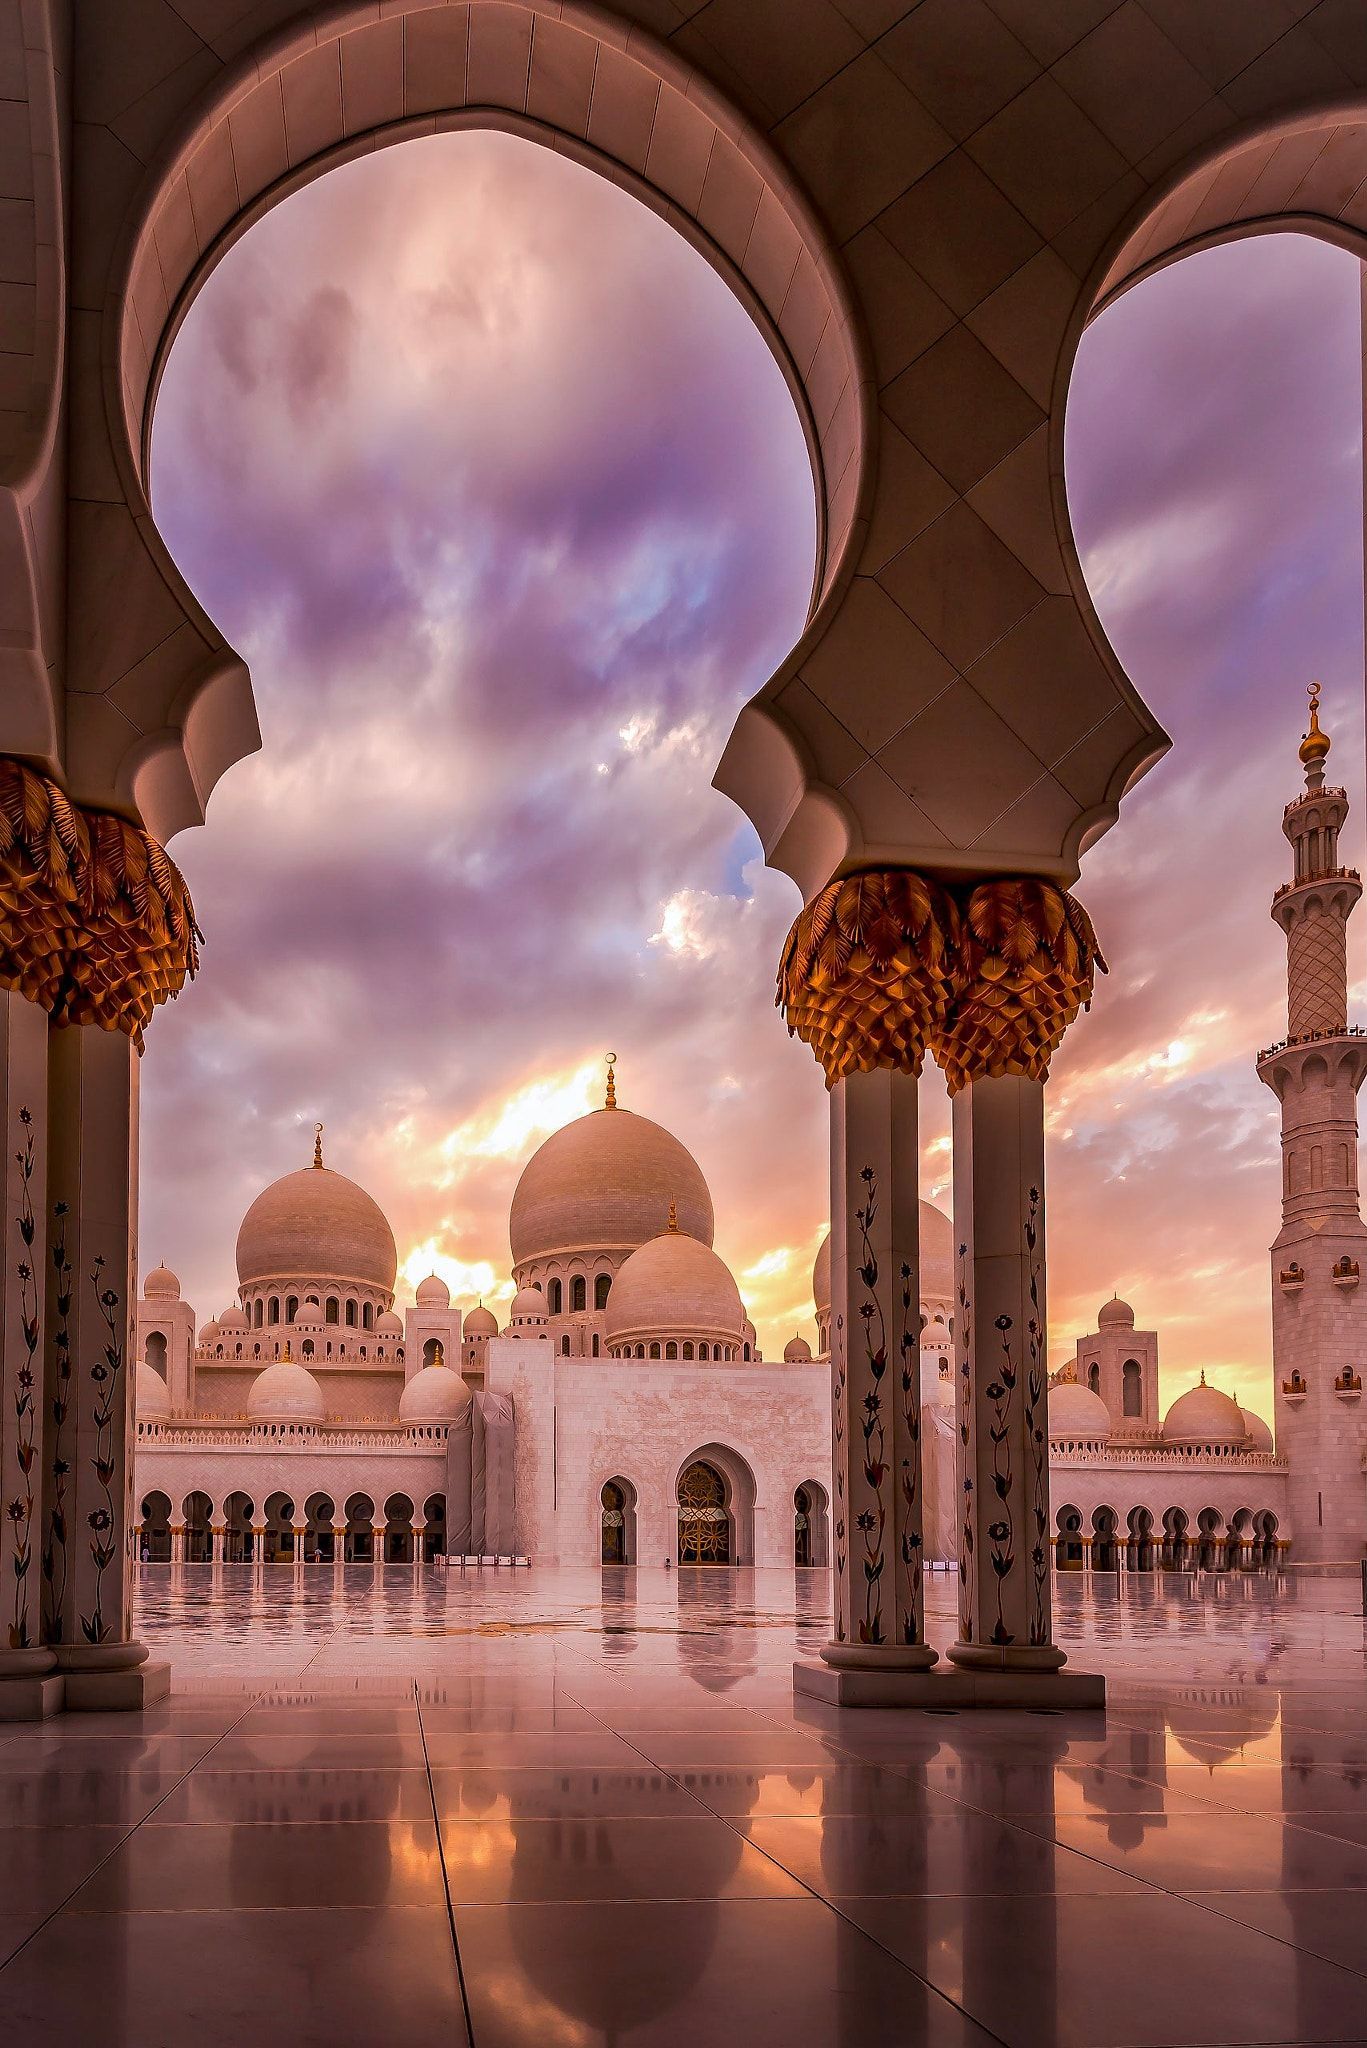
[[604, 1785]]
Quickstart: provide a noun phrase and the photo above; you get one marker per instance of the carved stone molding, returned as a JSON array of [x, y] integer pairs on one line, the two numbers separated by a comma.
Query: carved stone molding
[[882, 966], [96, 923], [868, 971]]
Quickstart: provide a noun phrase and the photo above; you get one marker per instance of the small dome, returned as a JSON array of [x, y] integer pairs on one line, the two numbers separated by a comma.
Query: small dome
[[481, 1322], [1075, 1411], [320, 1223], [529, 1306], [1115, 1314], [151, 1396], [389, 1325], [285, 1392], [1203, 1415], [937, 1261], [209, 1333], [674, 1286], [797, 1351], [433, 1293], [1259, 1434], [436, 1394], [161, 1284], [603, 1183], [232, 1319]]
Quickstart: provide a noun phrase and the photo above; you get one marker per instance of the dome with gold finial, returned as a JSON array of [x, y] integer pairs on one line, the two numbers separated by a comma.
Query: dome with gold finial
[[316, 1222], [675, 1289]]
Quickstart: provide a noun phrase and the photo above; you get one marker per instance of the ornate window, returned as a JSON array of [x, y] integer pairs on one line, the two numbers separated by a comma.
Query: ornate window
[[579, 1294], [602, 1287], [704, 1524], [555, 1297]]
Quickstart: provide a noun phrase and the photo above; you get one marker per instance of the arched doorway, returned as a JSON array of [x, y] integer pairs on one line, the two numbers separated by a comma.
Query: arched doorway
[[278, 1542], [398, 1529], [1175, 1525], [704, 1515], [810, 1524], [197, 1513], [360, 1530], [617, 1522], [1105, 1547], [1140, 1541], [1070, 1552], [154, 1543], [238, 1539], [434, 1527], [319, 1536]]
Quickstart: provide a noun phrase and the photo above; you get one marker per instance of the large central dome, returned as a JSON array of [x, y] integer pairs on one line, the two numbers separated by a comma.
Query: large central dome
[[317, 1225], [605, 1183]]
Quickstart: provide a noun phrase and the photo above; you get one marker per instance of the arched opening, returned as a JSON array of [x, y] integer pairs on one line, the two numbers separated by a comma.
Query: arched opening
[[555, 1296], [1105, 1547], [1140, 1540], [579, 1294], [155, 1352], [704, 1516], [434, 1527], [1132, 1388], [239, 1541], [278, 1542], [1175, 1546], [332, 1309], [359, 1541], [1210, 1540], [197, 1513], [368, 1316], [1265, 1538], [810, 1524], [1239, 1545], [273, 1309], [432, 1353], [617, 1521], [154, 1543], [1070, 1553], [398, 1529], [319, 1538], [602, 1287], [291, 1308], [1094, 1377], [350, 1315]]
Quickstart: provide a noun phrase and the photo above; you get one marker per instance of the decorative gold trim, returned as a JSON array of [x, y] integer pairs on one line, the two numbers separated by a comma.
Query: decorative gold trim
[[96, 923], [883, 965], [868, 971], [1028, 964]]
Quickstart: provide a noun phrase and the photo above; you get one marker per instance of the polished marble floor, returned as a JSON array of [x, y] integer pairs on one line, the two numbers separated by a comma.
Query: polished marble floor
[[555, 1810]]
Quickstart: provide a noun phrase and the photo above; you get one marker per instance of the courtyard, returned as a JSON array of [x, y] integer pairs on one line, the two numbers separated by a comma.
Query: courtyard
[[395, 1804]]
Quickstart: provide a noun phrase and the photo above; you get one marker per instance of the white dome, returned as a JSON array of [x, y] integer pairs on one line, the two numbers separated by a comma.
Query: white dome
[[233, 1319], [1076, 1411], [209, 1333], [319, 1224], [481, 1322], [529, 1306], [1115, 1314], [605, 1183], [285, 1392], [151, 1395], [389, 1325], [1260, 1435], [433, 1293], [674, 1286], [161, 1284], [436, 1394], [1203, 1415], [937, 1261], [797, 1351]]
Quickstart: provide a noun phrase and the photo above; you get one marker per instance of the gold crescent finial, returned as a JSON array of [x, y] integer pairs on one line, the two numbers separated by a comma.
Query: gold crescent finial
[[610, 1101], [674, 1217], [317, 1144], [1315, 745]]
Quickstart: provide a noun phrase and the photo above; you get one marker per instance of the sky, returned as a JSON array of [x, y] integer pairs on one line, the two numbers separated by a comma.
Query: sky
[[503, 498]]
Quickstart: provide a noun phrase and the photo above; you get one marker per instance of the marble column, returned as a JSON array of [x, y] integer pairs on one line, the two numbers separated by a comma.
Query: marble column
[[875, 1373], [339, 1544], [27, 1689], [301, 1532], [92, 1187], [1000, 1341], [177, 1543], [377, 1543], [216, 1534]]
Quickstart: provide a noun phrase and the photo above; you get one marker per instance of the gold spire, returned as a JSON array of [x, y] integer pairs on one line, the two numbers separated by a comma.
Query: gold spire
[[1315, 744], [317, 1144], [611, 1101], [674, 1217]]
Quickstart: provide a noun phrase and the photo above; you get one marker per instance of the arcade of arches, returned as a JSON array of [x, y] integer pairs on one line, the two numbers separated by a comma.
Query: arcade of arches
[[922, 240]]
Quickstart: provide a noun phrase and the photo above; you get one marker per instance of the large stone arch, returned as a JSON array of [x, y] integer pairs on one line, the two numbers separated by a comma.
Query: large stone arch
[[340, 84]]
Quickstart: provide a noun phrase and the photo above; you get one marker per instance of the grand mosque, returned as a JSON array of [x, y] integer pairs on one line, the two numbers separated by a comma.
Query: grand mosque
[[624, 1412]]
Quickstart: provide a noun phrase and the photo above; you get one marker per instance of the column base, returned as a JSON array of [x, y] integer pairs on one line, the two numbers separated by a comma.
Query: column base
[[948, 1686], [117, 1691], [879, 1656], [1007, 1657]]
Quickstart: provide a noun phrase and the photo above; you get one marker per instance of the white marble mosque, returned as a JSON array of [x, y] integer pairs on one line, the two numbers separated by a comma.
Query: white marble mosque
[[310, 1420]]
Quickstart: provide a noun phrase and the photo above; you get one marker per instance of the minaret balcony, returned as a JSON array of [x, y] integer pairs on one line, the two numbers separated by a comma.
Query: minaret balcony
[[1292, 1278], [1295, 1389], [1317, 875], [1348, 1384], [1345, 1274]]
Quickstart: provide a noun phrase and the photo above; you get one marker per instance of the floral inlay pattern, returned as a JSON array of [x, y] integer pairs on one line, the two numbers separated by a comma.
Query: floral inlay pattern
[[1037, 1425], [871, 1521], [912, 1621], [968, 1601], [55, 1545], [19, 1511], [106, 1376]]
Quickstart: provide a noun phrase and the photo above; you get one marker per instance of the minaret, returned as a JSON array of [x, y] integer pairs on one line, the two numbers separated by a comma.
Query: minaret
[[1319, 1315]]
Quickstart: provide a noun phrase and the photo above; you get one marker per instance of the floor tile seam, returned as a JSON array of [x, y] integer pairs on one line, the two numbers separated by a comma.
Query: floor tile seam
[[126, 1835], [456, 1957], [932, 1990], [1202, 1901]]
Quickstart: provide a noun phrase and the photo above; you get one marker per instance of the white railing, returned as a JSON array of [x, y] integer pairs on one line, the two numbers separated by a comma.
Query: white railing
[[1172, 1458]]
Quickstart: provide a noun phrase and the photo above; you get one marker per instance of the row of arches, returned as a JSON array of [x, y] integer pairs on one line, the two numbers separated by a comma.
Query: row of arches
[[348, 1311], [711, 1519], [673, 1347], [239, 1534], [308, 1348], [578, 1294], [1248, 1541]]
